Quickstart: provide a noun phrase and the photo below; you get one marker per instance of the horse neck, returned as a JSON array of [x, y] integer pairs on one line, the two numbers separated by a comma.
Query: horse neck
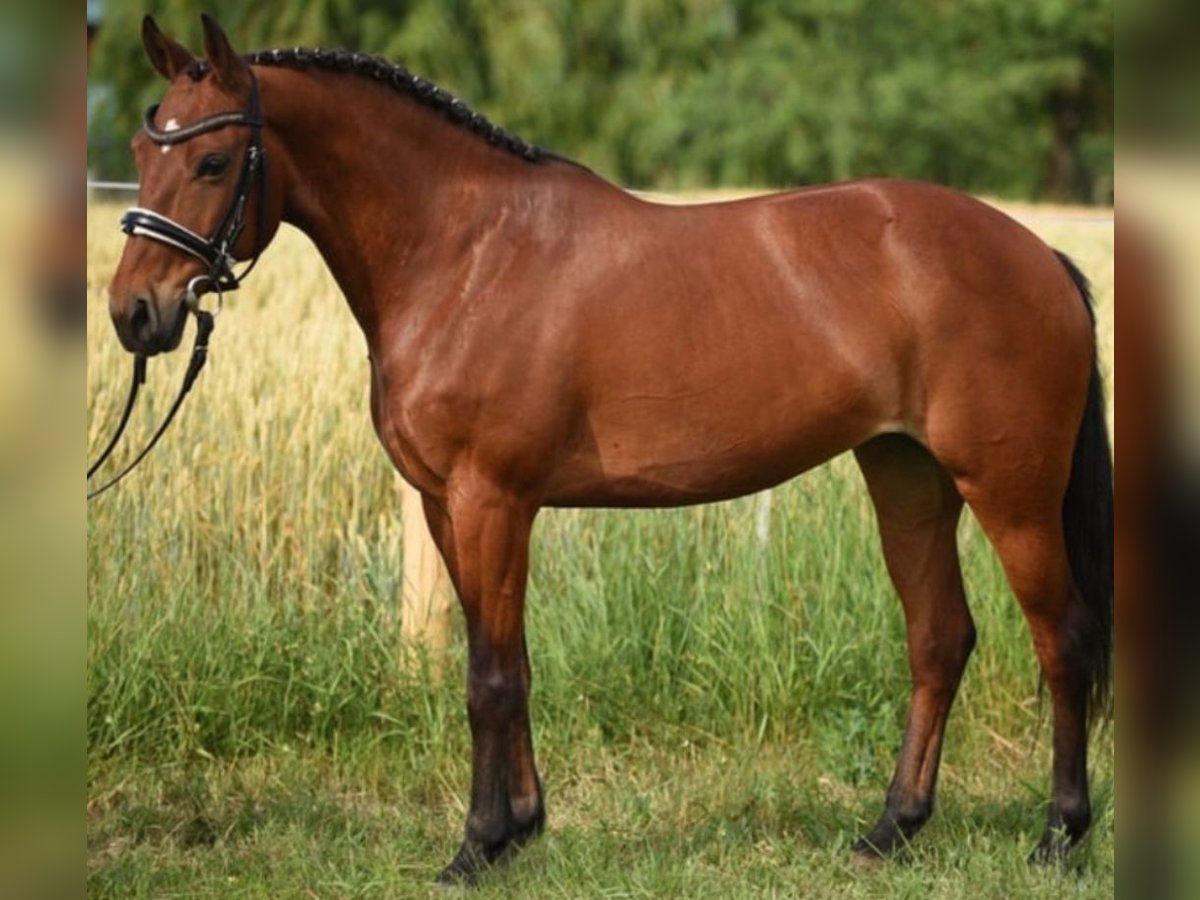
[[380, 182]]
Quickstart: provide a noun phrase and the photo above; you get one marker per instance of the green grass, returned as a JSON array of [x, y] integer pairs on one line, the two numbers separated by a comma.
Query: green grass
[[713, 718]]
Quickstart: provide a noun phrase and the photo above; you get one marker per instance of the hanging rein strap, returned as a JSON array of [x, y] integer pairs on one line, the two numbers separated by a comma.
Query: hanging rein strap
[[204, 327], [135, 384], [215, 252]]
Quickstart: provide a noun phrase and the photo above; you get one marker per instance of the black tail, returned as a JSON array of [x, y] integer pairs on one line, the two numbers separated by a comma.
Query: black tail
[[1088, 525]]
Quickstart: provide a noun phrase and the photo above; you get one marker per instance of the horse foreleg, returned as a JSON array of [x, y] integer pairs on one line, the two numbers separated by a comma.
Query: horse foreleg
[[918, 509], [483, 534]]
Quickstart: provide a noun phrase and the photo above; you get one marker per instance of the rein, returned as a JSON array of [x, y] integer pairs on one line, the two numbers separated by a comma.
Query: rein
[[216, 252], [204, 327]]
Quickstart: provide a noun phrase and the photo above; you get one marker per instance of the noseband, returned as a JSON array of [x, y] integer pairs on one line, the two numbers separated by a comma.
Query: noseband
[[215, 252]]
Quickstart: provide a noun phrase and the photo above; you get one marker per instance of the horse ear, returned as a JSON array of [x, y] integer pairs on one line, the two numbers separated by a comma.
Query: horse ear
[[167, 57], [229, 68]]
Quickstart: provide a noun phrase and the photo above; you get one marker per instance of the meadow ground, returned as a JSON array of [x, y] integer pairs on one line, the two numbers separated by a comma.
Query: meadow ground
[[714, 717]]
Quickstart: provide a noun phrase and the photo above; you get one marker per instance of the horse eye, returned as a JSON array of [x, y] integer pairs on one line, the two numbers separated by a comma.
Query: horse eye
[[212, 165]]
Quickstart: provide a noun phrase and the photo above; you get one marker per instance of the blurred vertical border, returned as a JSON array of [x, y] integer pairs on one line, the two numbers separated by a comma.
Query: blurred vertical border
[[1158, 486], [42, 363]]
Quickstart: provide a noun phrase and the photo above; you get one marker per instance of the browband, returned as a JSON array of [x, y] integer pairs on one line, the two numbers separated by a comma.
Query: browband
[[186, 133]]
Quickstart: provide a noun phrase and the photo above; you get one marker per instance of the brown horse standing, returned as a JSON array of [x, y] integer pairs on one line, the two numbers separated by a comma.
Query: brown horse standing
[[539, 337]]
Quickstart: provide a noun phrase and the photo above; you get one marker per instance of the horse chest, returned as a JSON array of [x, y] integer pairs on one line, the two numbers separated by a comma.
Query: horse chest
[[410, 423]]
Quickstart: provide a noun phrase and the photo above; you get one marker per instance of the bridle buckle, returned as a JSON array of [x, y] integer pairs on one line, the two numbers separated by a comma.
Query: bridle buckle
[[197, 287]]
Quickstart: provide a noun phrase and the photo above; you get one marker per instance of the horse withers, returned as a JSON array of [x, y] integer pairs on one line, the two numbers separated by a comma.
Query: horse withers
[[539, 337]]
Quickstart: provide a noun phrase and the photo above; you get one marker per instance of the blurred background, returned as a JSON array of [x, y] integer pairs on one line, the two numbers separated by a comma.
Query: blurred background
[[1012, 98]]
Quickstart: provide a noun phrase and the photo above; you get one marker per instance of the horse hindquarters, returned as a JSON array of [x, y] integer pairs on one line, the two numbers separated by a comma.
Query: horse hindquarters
[[1043, 497]]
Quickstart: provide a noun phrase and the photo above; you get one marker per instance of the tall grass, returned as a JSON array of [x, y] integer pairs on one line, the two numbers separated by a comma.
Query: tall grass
[[243, 587]]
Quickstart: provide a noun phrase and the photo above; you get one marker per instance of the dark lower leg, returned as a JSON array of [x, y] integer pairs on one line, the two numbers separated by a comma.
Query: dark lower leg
[[506, 800], [1069, 815], [498, 820], [524, 784], [910, 797]]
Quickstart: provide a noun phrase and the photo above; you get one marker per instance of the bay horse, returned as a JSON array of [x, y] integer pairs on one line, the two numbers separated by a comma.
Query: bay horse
[[540, 338]]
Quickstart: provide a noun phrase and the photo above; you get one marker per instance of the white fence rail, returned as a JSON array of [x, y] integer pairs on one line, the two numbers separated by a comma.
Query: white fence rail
[[111, 186]]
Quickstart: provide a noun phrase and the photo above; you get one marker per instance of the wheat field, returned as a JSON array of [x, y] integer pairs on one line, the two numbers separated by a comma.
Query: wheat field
[[715, 717]]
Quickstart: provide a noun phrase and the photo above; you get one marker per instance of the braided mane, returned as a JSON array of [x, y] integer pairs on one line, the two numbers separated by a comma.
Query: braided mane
[[401, 79]]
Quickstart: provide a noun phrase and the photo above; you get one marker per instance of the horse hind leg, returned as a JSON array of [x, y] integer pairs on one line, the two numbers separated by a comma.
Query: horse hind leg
[[1033, 552], [918, 509]]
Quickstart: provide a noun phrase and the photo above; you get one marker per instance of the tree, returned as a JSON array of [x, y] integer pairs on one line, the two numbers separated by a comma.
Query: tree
[[1011, 97]]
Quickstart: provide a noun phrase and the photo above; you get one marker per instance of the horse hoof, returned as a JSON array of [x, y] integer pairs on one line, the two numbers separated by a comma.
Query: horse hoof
[[866, 858], [867, 848], [451, 879], [1052, 850], [464, 870], [880, 845], [474, 859]]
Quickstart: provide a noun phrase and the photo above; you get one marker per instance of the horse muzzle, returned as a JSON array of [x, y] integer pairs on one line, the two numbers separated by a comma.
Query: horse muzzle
[[149, 327]]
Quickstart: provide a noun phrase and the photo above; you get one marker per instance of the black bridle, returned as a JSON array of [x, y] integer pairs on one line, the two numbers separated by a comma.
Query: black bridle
[[216, 252]]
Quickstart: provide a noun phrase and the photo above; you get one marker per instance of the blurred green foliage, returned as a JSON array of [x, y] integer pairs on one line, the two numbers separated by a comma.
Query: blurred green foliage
[[1007, 97]]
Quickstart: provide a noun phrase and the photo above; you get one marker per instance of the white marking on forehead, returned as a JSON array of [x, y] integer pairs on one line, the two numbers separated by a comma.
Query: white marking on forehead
[[172, 125]]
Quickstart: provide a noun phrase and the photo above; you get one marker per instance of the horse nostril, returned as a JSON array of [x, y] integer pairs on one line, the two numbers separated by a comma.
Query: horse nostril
[[141, 319]]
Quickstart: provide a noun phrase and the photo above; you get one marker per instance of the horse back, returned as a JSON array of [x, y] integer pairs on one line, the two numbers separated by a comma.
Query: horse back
[[734, 345]]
